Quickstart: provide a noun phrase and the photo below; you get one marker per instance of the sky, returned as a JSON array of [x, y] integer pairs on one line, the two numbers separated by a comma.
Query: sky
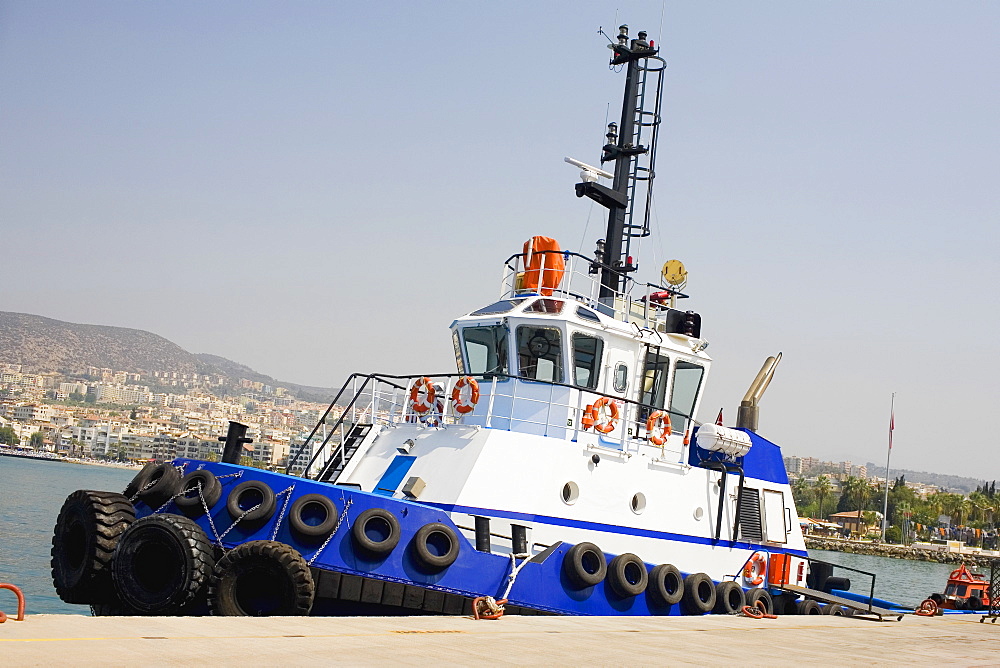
[[319, 188]]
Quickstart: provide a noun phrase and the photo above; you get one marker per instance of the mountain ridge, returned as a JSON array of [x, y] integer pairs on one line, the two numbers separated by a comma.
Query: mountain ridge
[[48, 345]]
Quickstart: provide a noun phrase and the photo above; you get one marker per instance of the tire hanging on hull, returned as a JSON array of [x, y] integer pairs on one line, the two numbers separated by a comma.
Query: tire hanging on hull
[[87, 531], [262, 578], [162, 563]]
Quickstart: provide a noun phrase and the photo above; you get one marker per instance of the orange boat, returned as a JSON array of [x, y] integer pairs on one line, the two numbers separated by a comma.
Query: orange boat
[[965, 591]]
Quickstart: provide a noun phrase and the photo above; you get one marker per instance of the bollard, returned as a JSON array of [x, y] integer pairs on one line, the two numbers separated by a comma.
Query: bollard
[[482, 533], [234, 441], [20, 602], [519, 538]]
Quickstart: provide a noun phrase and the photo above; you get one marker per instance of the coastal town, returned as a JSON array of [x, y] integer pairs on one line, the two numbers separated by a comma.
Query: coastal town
[[127, 417]]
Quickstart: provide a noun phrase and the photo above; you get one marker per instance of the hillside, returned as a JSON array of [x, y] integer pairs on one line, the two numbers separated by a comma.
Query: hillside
[[45, 345], [951, 483]]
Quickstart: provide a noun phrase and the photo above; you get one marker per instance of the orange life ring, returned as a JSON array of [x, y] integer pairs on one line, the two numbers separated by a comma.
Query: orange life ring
[[663, 418], [594, 413], [754, 571], [927, 608], [456, 394], [418, 405]]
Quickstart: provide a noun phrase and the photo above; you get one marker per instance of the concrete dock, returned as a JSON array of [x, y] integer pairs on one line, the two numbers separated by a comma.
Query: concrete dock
[[67, 640]]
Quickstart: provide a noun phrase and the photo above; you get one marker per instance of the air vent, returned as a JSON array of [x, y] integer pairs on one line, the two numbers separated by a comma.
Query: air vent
[[750, 526]]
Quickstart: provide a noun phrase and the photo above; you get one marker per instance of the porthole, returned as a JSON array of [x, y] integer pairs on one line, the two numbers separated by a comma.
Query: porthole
[[638, 503], [570, 493], [621, 378], [699, 512]]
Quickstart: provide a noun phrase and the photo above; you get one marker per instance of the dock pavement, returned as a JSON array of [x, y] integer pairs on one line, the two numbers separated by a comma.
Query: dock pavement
[[74, 640]]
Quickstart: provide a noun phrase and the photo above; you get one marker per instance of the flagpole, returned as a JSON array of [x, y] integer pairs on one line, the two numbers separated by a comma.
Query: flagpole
[[892, 425]]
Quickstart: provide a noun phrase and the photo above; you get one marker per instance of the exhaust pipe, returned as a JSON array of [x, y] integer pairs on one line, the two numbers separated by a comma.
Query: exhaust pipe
[[749, 411]]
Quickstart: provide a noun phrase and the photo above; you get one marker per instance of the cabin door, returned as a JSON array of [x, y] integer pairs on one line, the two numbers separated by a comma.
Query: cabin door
[[776, 520]]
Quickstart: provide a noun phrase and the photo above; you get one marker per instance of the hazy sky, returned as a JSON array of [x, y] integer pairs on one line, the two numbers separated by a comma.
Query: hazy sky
[[316, 188]]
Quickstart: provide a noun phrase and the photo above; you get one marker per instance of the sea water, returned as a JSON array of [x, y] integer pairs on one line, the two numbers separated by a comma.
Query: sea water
[[31, 494], [898, 580]]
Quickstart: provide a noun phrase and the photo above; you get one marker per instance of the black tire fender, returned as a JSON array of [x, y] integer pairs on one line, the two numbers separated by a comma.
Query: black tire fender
[[87, 531], [189, 500], [585, 565], [162, 563], [435, 546], [760, 595], [164, 482], [937, 598], [699, 594], [138, 482], [729, 598], [313, 516], [627, 575], [376, 532], [666, 584], [262, 578], [254, 496], [834, 610], [808, 607]]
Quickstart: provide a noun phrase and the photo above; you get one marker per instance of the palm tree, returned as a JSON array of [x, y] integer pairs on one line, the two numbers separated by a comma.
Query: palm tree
[[822, 490]]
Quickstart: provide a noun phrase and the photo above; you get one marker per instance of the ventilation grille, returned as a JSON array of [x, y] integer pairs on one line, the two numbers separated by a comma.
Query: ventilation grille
[[750, 526]]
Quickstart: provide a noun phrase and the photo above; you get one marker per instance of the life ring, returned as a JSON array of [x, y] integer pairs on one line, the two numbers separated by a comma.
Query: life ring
[[662, 418], [428, 387], [456, 394], [755, 568], [313, 516], [87, 531], [927, 608], [435, 546], [595, 415], [189, 499], [262, 578], [585, 565], [161, 564], [376, 531]]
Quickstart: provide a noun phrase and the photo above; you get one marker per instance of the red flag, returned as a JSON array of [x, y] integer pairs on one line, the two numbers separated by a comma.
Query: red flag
[[718, 420]]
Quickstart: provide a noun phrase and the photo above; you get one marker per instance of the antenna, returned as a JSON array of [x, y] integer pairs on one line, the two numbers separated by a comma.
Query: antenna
[[589, 173]]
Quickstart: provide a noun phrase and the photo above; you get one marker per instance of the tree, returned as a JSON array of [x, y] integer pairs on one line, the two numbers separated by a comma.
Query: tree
[[822, 489], [8, 437], [37, 440]]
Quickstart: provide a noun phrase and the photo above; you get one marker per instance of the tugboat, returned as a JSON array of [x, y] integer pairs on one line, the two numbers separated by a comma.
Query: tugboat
[[965, 591], [559, 470]]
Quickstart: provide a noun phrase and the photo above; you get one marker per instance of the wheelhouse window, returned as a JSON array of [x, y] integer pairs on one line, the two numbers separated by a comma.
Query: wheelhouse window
[[486, 350], [687, 382], [621, 378], [549, 306], [656, 371], [586, 360], [458, 351], [539, 352], [502, 306]]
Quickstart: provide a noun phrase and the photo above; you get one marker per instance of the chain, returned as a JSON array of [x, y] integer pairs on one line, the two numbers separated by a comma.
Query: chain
[[334, 532], [281, 515]]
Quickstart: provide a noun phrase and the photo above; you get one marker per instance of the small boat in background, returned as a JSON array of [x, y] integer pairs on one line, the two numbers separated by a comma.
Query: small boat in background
[[965, 591]]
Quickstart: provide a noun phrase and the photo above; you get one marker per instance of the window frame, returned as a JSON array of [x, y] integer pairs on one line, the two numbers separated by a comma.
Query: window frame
[[596, 365]]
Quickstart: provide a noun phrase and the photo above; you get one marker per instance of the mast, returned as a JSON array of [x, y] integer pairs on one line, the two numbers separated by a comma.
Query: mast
[[624, 146]]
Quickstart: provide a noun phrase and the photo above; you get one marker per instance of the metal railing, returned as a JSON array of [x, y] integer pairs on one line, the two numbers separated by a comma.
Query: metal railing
[[509, 402], [644, 304]]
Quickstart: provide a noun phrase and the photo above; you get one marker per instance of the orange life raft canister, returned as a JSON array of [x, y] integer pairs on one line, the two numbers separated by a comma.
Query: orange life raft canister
[[544, 265]]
